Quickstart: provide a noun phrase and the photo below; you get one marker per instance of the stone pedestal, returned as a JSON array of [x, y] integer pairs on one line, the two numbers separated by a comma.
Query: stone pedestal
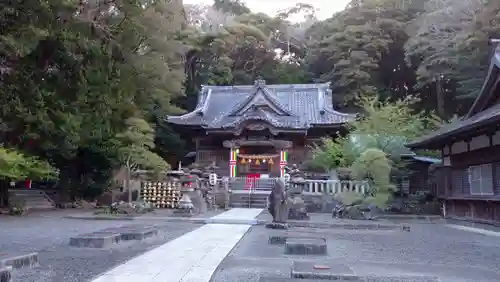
[[305, 246], [296, 205], [297, 208], [185, 205]]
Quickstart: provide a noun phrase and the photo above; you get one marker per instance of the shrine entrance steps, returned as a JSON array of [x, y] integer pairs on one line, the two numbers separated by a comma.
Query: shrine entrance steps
[[250, 193], [34, 199]]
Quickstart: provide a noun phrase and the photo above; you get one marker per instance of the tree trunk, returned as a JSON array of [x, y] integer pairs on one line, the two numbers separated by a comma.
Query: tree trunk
[[4, 194], [440, 97], [127, 184], [64, 184]]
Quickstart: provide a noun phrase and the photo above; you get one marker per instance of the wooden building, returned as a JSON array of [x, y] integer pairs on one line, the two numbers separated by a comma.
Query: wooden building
[[255, 130], [417, 174], [468, 180]]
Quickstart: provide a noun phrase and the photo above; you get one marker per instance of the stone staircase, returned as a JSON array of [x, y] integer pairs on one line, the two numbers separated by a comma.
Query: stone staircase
[[34, 199], [250, 193]]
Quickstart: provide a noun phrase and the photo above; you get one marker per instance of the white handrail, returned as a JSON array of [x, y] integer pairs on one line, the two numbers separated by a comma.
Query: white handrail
[[331, 187]]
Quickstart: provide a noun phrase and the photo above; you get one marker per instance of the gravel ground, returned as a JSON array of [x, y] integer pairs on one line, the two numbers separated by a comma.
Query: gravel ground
[[49, 236], [429, 249]]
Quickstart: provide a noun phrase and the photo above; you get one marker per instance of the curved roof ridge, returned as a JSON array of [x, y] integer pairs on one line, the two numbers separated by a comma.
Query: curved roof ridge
[[270, 96]]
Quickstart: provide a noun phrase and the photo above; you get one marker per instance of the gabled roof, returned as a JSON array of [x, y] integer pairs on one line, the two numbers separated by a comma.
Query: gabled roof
[[286, 106], [481, 113]]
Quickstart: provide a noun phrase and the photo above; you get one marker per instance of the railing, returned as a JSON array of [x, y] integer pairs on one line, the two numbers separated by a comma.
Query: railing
[[312, 187], [251, 184], [330, 187]]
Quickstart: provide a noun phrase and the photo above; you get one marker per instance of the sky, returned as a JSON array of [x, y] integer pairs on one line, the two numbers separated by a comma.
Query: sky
[[325, 8]]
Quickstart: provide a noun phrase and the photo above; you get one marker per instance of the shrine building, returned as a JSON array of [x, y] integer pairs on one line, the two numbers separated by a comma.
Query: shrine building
[[468, 180], [256, 130]]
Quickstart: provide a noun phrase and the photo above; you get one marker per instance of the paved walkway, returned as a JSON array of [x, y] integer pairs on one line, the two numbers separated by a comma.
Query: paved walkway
[[193, 257], [475, 230]]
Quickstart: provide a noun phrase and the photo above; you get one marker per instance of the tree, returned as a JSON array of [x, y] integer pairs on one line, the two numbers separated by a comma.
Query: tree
[[349, 48], [15, 166], [134, 150], [374, 165], [329, 155], [387, 125], [434, 48]]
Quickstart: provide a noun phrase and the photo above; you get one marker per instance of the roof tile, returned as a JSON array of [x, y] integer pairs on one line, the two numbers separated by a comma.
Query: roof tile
[[301, 102]]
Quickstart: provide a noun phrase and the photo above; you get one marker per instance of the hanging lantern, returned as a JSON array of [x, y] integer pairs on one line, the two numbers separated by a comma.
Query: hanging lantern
[[264, 160], [271, 161], [249, 160], [257, 162], [243, 161]]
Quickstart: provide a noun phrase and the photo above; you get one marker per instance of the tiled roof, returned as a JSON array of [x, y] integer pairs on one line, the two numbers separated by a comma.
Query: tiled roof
[[293, 106], [476, 116], [482, 118]]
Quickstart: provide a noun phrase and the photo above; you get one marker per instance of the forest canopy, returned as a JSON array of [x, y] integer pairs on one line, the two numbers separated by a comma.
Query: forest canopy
[[72, 73]]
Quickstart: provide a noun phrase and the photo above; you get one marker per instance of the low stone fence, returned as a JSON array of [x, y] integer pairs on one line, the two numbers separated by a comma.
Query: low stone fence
[[332, 187], [318, 193]]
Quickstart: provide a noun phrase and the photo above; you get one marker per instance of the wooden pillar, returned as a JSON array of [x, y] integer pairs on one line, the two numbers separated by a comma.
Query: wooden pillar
[[233, 155], [283, 162]]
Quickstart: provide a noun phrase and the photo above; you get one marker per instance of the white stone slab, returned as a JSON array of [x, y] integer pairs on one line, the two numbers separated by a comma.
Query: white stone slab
[[193, 257], [475, 230], [239, 213]]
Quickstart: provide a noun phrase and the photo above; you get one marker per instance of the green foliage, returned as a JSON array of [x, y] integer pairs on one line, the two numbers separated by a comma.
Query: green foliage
[[329, 154], [388, 126], [16, 166], [374, 165], [136, 143]]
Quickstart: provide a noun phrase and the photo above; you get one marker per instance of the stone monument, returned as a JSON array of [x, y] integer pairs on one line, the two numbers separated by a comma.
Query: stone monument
[[277, 206]]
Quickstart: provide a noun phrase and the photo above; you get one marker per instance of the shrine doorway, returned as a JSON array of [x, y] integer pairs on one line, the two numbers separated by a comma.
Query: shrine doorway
[[258, 162]]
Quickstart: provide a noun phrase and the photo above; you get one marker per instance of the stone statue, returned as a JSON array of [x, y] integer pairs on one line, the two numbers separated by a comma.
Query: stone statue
[[277, 205]]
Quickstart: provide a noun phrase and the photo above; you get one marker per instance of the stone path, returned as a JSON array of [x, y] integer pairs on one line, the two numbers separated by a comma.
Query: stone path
[[193, 257], [475, 230], [239, 213]]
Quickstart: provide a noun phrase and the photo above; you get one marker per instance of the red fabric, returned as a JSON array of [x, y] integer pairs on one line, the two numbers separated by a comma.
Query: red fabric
[[28, 183], [250, 181]]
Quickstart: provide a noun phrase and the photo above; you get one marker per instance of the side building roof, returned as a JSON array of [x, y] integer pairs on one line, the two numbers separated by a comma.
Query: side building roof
[[285, 106], [482, 112]]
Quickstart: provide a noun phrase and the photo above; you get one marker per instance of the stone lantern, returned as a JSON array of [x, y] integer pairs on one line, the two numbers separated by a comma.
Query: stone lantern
[[296, 204], [185, 204]]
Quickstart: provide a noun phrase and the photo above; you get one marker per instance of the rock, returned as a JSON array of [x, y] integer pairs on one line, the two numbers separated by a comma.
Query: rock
[[124, 208], [278, 202], [305, 246], [353, 212], [5, 275], [143, 207]]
